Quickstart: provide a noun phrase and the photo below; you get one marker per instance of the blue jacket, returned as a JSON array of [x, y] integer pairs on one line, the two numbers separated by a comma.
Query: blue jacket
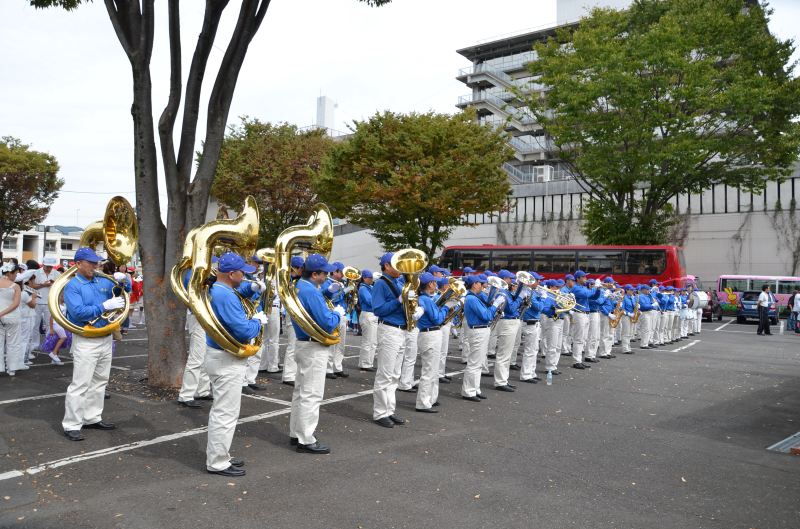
[[596, 305], [645, 302], [384, 302], [365, 297], [534, 311], [629, 305], [476, 311], [549, 307], [313, 301], [608, 305], [434, 316], [583, 295], [84, 298], [511, 308], [337, 298], [229, 311]]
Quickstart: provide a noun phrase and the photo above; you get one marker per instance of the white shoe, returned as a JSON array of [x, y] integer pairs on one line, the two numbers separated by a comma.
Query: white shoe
[[12, 373], [28, 363], [55, 360]]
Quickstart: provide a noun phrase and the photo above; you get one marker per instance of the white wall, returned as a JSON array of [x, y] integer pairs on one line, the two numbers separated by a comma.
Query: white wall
[[570, 10]]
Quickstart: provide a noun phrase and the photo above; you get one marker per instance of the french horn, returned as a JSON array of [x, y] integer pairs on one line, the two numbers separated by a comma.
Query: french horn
[[119, 234]]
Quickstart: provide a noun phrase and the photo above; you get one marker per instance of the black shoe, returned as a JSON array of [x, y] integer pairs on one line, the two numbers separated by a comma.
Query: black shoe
[[292, 441], [231, 472], [190, 403], [237, 462], [426, 410], [487, 374], [257, 387], [611, 355], [367, 369], [514, 367], [288, 382], [530, 380], [448, 377], [481, 396], [341, 374], [247, 391], [274, 372], [491, 357], [512, 386], [409, 390], [504, 388], [566, 354], [627, 352], [331, 376], [556, 372], [386, 422], [591, 360], [645, 347], [316, 448], [73, 435], [205, 397], [444, 380], [106, 396], [578, 365], [397, 420], [473, 399], [587, 366], [101, 425], [435, 404]]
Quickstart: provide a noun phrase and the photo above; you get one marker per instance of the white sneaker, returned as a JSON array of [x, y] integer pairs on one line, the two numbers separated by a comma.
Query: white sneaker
[[55, 360], [12, 373]]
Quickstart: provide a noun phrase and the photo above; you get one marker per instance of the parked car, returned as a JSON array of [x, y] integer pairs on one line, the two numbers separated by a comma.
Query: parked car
[[713, 309], [748, 308]]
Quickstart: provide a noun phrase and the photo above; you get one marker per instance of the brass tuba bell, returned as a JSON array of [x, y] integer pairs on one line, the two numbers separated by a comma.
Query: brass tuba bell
[[119, 233], [410, 262]]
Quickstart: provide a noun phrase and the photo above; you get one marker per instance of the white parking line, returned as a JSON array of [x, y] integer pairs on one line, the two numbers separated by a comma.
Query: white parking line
[[38, 397], [688, 345], [267, 399], [723, 325]]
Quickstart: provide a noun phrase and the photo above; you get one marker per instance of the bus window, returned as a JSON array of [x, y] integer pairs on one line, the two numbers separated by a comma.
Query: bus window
[[600, 261], [477, 259], [513, 260], [554, 262], [448, 259], [645, 262], [787, 286], [736, 285], [756, 284]]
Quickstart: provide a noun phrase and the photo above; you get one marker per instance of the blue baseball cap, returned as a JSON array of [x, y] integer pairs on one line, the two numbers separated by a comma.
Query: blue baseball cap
[[214, 259], [425, 278], [505, 274], [471, 280], [579, 274], [366, 274], [441, 282], [488, 274], [317, 263], [433, 269], [608, 279], [644, 287], [560, 282], [386, 258], [231, 262], [469, 270], [536, 276], [255, 259], [446, 272], [337, 265], [653, 282], [669, 288], [570, 277], [297, 261], [549, 283], [87, 254], [629, 287]]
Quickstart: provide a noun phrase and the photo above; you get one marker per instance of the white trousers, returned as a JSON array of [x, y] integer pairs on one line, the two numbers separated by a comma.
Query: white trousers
[[42, 319], [12, 352], [91, 365], [675, 327], [606, 335], [445, 349], [272, 335], [253, 363], [565, 342], [552, 330], [530, 350], [226, 372], [462, 338], [517, 343], [593, 335], [409, 359], [195, 379], [429, 345], [387, 373], [645, 327], [336, 352], [506, 331], [579, 329], [627, 333], [309, 387], [25, 326], [478, 345], [698, 320], [289, 363], [33, 335], [369, 339]]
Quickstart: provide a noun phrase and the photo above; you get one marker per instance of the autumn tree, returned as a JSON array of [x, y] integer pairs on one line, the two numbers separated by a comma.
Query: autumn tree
[[413, 178], [188, 185], [274, 163], [29, 184], [667, 97]]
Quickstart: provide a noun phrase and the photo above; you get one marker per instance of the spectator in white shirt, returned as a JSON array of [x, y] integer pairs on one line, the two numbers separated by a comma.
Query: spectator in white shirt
[[765, 300]]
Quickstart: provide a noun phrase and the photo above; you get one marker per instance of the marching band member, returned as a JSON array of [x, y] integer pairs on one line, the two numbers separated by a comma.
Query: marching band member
[[289, 363], [606, 315], [698, 312], [593, 336], [628, 310], [195, 385], [507, 329], [674, 321], [332, 289], [430, 344], [479, 317], [86, 297], [552, 325], [580, 316], [387, 304], [462, 335], [565, 345], [492, 351], [443, 285], [43, 279], [270, 361], [410, 350], [368, 322], [531, 333], [312, 357], [226, 371], [255, 362], [648, 317]]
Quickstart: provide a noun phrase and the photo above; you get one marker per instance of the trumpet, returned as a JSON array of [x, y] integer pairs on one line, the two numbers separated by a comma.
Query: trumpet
[[455, 289], [352, 275], [525, 280], [496, 285]]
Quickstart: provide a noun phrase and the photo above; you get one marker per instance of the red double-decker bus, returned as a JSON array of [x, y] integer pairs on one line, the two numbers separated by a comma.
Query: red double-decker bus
[[627, 264]]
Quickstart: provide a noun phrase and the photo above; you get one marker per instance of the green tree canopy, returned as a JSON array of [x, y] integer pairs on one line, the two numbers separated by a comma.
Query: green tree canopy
[[412, 178], [28, 184], [667, 97], [275, 164]]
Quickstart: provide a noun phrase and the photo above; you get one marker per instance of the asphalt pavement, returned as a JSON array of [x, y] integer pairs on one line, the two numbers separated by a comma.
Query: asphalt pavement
[[669, 438]]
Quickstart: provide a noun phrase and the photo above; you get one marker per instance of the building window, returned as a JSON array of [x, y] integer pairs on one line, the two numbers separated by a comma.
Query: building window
[[49, 246], [10, 244], [66, 245]]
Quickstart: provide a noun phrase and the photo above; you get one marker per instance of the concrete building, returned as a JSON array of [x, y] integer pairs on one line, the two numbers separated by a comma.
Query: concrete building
[[60, 242]]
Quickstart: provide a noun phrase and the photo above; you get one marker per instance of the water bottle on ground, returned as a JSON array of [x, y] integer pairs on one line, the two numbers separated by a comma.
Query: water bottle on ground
[[549, 379]]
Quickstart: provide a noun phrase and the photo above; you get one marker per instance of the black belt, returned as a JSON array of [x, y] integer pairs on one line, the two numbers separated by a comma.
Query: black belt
[[581, 311], [531, 322], [645, 310], [431, 329], [391, 324], [479, 326], [303, 339]]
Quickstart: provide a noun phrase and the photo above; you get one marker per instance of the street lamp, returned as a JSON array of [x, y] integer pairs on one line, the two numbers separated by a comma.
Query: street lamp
[[45, 229]]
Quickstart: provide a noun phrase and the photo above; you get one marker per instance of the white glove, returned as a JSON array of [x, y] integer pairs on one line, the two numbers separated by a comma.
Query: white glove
[[499, 302], [525, 294], [412, 295], [114, 303], [611, 317], [333, 288], [338, 309], [629, 314], [119, 276], [606, 293], [258, 286], [655, 303], [261, 317], [348, 289], [543, 295], [654, 290], [597, 283], [418, 312], [450, 303]]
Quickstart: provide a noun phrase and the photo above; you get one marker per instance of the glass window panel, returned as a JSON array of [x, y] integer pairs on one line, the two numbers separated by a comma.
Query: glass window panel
[[736, 285], [600, 262], [477, 259], [756, 284], [645, 262], [448, 259], [788, 287], [554, 262], [513, 260]]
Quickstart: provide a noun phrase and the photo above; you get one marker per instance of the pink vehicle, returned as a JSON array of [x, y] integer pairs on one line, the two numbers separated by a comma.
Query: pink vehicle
[[730, 288]]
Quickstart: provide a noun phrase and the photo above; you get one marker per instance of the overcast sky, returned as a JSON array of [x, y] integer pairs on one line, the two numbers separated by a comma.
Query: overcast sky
[[65, 85]]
